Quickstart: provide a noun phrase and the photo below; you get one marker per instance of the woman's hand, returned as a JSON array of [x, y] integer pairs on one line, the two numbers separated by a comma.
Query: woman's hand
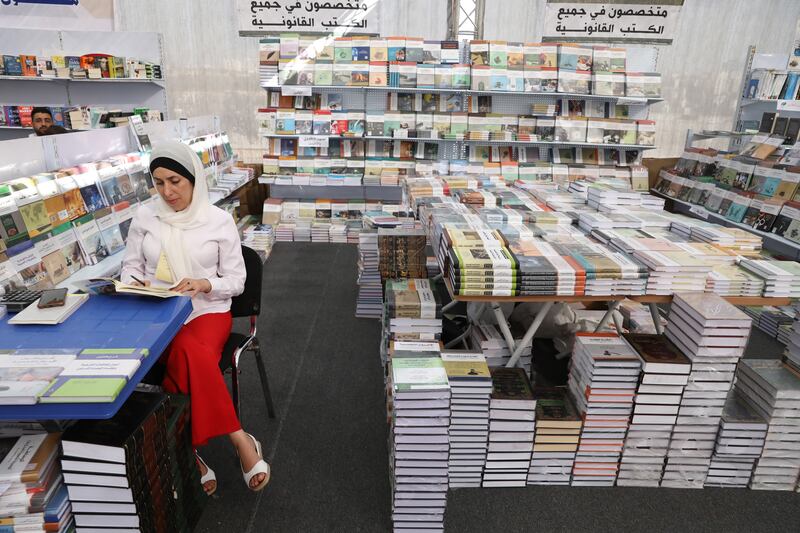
[[135, 283], [191, 287]]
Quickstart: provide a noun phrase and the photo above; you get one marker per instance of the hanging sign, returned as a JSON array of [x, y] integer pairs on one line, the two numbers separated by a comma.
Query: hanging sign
[[304, 16], [577, 21]]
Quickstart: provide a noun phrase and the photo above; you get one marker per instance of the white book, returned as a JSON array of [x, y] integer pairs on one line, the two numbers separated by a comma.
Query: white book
[[51, 316]]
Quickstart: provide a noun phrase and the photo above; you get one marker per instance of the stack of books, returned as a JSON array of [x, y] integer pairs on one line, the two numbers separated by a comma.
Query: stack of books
[[791, 355], [470, 387], [603, 376], [665, 372], [739, 444], [734, 239], [401, 253], [732, 280], [512, 412], [302, 231], [673, 271], [370, 290], [781, 278], [284, 232], [772, 389], [637, 317], [480, 264], [555, 441], [118, 472], [419, 440], [772, 318], [713, 334], [413, 310], [320, 231], [338, 233], [488, 339], [542, 270], [34, 496]]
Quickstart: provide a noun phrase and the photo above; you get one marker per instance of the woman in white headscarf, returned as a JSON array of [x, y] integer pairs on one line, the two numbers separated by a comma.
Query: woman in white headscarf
[[180, 240]]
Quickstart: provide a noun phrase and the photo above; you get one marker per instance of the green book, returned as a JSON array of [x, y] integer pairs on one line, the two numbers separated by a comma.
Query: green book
[[419, 374], [82, 390]]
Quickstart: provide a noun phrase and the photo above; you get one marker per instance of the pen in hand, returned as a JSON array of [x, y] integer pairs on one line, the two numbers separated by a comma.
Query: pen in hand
[[137, 280]]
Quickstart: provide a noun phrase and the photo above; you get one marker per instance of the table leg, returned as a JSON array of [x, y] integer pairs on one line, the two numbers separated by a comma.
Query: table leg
[[529, 334], [460, 338], [503, 325], [656, 317], [449, 306], [612, 306]]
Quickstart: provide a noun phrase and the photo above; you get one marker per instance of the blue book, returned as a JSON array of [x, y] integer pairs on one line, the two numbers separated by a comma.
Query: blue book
[[57, 506], [12, 65], [790, 87]]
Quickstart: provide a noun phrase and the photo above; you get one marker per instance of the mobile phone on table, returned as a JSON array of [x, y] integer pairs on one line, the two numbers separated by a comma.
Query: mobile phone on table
[[52, 298]]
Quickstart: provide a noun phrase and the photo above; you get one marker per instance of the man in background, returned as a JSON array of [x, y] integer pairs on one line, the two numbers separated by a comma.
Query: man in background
[[42, 121]]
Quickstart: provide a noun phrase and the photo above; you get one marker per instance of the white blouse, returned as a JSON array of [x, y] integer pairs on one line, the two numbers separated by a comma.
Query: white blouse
[[216, 252]]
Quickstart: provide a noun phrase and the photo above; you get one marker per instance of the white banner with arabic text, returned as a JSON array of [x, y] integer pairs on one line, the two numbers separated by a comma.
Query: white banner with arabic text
[[304, 16], [576, 21]]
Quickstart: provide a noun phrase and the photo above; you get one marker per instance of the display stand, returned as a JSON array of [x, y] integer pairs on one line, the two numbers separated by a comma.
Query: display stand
[[124, 94]]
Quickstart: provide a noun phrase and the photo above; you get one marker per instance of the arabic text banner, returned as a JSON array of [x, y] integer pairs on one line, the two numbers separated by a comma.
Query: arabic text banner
[[610, 21], [305, 16]]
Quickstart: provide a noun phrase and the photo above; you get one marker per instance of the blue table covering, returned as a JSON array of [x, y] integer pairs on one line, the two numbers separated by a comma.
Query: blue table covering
[[102, 322]]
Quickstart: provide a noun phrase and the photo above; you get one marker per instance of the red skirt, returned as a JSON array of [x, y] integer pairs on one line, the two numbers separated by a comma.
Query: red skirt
[[192, 361]]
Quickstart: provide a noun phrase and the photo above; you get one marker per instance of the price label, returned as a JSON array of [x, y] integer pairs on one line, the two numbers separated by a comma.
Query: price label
[[312, 141], [699, 211], [788, 105], [631, 100], [296, 90]]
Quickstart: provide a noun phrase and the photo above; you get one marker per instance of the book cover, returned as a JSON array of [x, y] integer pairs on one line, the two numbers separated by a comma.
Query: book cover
[[35, 217], [82, 390]]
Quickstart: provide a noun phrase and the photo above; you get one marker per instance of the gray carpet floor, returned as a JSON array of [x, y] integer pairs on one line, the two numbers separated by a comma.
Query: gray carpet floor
[[328, 443]]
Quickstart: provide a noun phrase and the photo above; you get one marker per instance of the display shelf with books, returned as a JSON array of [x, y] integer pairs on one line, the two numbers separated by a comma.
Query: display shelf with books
[[395, 122], [769, 88], [75, 118], [338, 192], [66, 217], [772, 242], [64, 68]]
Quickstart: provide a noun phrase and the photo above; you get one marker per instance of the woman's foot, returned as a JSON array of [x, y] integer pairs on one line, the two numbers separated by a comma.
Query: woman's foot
[[207, 476], [249, 457]]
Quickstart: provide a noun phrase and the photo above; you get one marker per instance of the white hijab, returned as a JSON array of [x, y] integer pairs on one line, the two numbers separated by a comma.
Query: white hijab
[[173, 223]]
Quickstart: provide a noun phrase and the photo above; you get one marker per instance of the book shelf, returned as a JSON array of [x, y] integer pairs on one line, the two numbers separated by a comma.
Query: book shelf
[[749, 110], [771, 242], [124, 94], [35, 155]]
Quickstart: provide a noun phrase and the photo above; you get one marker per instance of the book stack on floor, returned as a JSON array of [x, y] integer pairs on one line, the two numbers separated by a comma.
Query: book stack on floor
[[413, 310], [34, 497], [665, 372], [401, 253], [512, 412], [740, 442], [772, 389], [603, 376], [419, 440], [488, 339], [555, 441], [120, 472], [470, 387], [713, 334], [320, 231], [188, 492], [370, 290]]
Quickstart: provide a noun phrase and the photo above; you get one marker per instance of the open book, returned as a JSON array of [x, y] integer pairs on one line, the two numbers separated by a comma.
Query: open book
[[112, 286]]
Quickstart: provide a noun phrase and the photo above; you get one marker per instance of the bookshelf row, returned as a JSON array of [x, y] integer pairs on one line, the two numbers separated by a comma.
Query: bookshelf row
[[153, 81], [556, 144], [621, 100], [338, 192], [771, 242]]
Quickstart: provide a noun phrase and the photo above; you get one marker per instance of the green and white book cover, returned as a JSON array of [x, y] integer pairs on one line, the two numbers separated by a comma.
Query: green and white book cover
[[419, 373]]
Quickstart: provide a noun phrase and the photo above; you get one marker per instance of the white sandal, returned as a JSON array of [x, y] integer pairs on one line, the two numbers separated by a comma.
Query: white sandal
[[261, 467], [209, 476]]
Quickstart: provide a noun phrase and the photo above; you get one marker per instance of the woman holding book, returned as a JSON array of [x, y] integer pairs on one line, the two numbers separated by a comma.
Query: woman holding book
[[182, 241]]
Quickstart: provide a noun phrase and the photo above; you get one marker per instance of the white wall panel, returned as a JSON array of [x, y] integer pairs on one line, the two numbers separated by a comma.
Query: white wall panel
[[702, 69], [211, 70]]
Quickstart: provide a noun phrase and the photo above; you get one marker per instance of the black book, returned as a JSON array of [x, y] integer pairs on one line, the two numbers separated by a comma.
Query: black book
[[779, 128], [792, 131], [767, 122], [113, 439]]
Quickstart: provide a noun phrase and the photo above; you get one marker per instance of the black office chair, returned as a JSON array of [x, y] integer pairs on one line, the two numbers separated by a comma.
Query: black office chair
[[247, 304]]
